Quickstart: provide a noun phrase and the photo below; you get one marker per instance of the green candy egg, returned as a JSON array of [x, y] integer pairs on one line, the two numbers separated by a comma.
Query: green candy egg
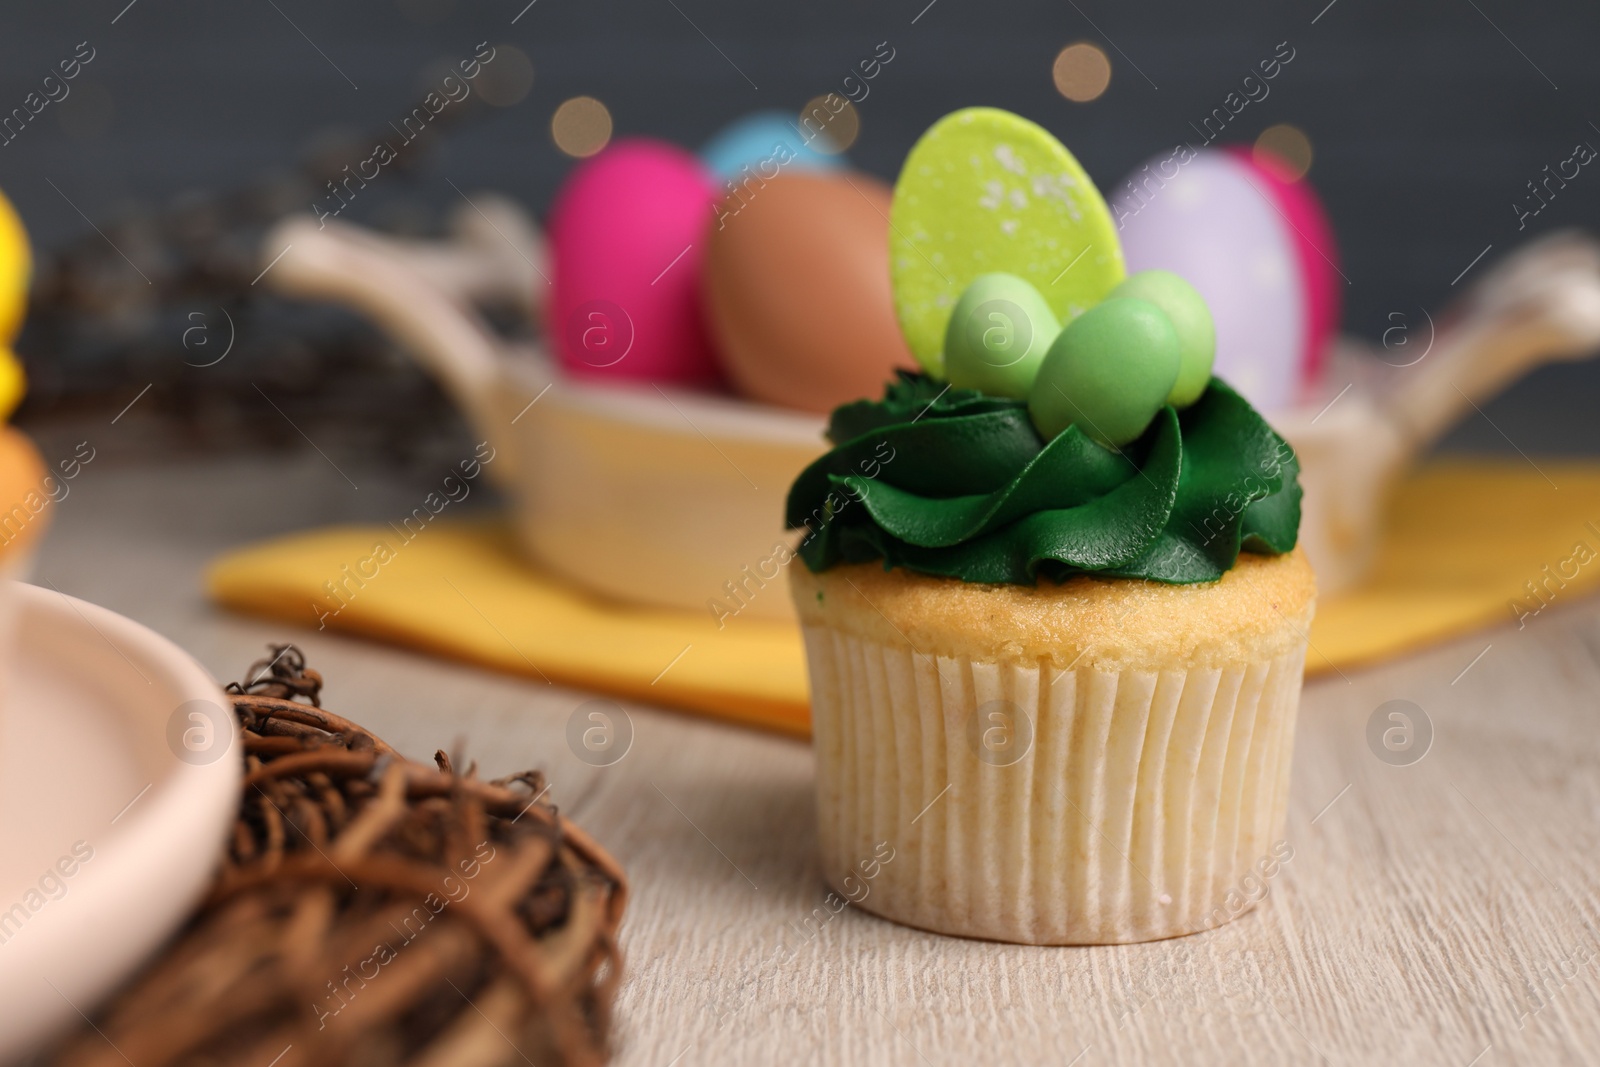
[[1197, 334], [1109, 371], [999, 331], [984, 190]]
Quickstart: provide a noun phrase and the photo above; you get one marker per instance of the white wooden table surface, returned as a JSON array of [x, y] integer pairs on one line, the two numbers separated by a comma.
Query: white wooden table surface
[[1438, 913]]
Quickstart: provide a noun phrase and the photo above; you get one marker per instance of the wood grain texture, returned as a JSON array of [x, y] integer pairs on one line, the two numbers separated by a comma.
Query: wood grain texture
[[1438, 913]]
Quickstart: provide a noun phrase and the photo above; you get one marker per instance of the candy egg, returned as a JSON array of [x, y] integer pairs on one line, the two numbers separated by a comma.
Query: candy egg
[[16, 270], [1109, 371], [985, 190], [763, 140], [1197, 335], [13, 382], [1206, 220], [998, 335], [627, 235], [797, 289]]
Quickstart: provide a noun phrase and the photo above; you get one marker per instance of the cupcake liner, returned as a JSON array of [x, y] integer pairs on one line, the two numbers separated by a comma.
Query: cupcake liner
[[1025, 803]]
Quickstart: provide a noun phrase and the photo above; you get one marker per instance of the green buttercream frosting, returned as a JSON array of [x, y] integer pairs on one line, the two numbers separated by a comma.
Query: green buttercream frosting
[[955, 483]]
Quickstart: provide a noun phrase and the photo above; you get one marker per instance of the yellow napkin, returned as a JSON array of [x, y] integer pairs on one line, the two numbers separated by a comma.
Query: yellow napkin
[[1462, 543], [1463, 540], [462, 590]]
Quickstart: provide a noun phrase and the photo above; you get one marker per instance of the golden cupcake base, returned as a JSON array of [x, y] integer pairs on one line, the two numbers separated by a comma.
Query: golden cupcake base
[[1090, 802]]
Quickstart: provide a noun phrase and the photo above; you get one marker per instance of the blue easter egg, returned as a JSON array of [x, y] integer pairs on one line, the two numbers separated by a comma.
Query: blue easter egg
[[755, 138]]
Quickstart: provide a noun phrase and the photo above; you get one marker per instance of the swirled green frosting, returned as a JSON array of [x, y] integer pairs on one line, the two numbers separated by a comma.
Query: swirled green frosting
[[954, 483]]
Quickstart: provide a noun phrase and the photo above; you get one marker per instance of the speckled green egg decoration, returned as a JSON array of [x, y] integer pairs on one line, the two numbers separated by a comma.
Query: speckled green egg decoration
[[984, 191]]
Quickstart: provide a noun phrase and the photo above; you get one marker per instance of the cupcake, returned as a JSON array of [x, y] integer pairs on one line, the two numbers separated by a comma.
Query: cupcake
[[1054, 613]]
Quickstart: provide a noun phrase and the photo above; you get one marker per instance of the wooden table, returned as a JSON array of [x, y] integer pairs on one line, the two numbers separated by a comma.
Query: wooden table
[[1438, 913]]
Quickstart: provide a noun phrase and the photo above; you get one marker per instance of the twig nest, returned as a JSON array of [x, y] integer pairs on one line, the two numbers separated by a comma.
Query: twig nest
[[371, 909]]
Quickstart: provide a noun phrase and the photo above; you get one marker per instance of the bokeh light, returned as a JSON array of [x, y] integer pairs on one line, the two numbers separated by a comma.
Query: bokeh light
[[1284, 148], [829, 123], [506, 79], [581, 126], [1081, 72]]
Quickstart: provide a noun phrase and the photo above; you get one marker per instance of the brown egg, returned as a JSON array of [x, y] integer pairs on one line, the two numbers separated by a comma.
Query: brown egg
[[796, 288]]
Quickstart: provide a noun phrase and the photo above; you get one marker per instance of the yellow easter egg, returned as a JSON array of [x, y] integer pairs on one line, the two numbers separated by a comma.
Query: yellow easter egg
[[16, 271], [13, 383]]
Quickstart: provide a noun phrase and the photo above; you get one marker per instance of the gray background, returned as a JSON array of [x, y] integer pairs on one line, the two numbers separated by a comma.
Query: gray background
[[1427, 118]]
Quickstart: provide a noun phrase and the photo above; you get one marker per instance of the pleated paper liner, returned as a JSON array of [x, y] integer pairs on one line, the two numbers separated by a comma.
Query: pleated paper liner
[[1030, 804]]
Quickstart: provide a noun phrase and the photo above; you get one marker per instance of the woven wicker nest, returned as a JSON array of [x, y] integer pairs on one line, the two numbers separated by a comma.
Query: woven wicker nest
[[371, 910]]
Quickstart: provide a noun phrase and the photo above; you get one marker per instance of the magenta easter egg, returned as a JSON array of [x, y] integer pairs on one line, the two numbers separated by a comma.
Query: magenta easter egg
[[1209, 219], [1315, 248], [627, 237]]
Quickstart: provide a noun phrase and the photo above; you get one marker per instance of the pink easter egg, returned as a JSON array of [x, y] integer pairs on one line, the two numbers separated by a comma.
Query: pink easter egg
[[1204, 218], [627, 238], [1315, 246]]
